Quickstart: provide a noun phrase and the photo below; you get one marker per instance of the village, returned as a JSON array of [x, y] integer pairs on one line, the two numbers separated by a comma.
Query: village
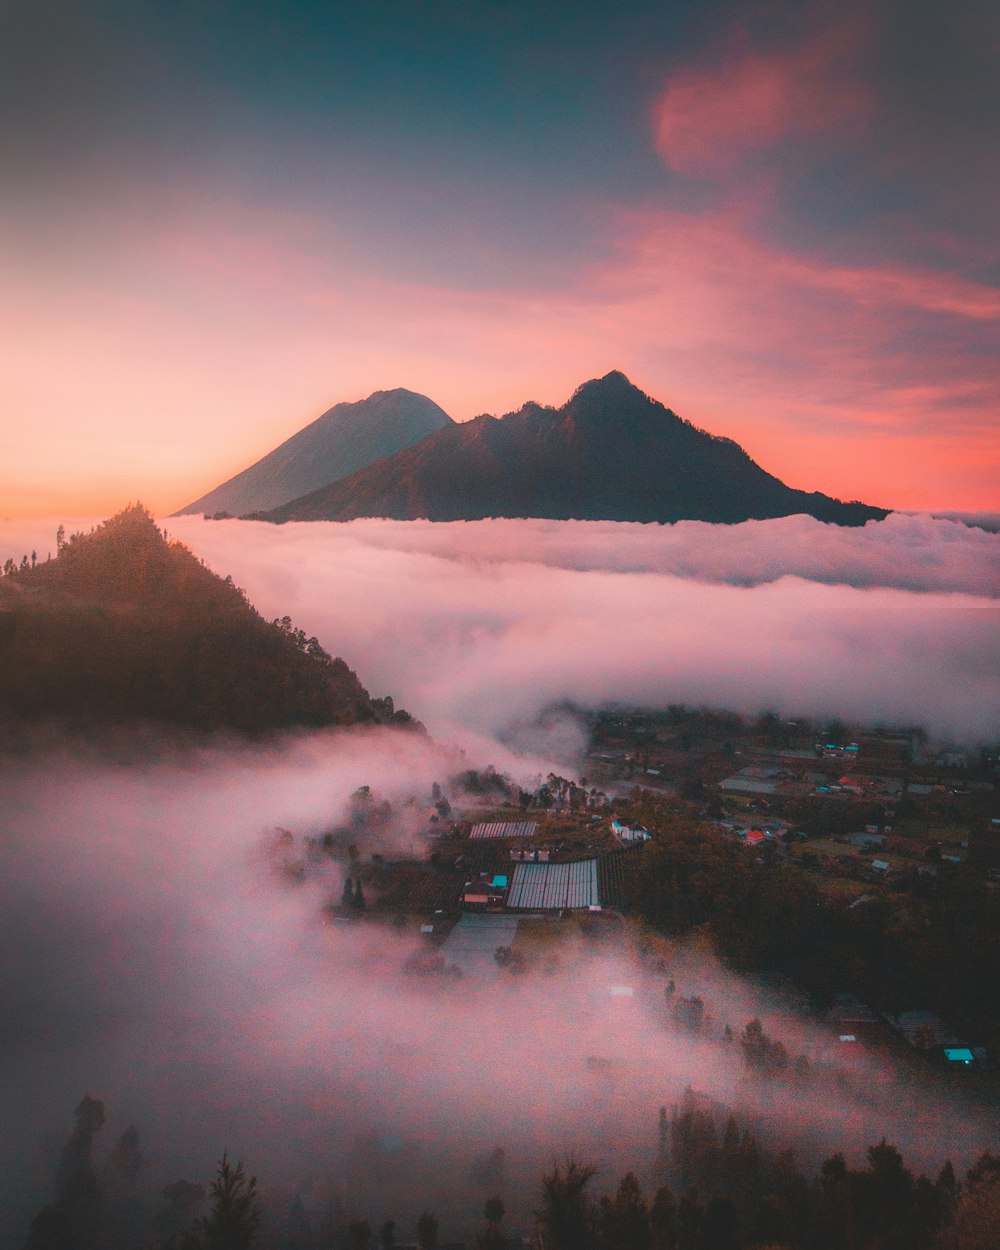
[[503, 883]]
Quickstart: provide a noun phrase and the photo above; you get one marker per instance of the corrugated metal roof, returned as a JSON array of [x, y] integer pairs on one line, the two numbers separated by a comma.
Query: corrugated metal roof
[[547, 887], [504, 829]]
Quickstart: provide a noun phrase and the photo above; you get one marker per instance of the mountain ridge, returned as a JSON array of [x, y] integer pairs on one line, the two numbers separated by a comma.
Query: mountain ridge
[[611, 452], [125, 627]]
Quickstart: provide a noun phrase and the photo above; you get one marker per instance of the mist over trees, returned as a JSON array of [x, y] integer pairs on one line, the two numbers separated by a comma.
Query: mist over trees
[[714, 1185]]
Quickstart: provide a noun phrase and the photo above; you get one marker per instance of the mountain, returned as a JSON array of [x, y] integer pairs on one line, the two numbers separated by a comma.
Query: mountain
[[124, 626], [346, 438], [610, 453]]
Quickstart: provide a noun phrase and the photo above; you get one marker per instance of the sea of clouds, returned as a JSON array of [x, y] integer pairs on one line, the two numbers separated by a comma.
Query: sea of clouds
[[475, 625], [150, 956]]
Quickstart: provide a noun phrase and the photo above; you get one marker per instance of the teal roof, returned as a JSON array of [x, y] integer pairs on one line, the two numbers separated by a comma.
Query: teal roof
[[958, 1054]]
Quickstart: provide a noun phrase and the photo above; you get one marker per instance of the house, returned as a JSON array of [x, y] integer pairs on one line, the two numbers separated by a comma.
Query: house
[[628, 835], [485, 893], [926, 1031]]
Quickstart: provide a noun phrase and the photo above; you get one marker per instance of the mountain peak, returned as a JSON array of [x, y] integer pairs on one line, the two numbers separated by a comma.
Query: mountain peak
[[611, 453], [347, 437], [125, 626], [613, 383]]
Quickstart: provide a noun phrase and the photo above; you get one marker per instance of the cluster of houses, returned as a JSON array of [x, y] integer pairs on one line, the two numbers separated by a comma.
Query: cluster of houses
[[859, 1029], [536, 881]]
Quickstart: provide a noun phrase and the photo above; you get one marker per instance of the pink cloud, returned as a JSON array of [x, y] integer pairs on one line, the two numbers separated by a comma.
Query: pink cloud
[[711, 115], [232, 332]]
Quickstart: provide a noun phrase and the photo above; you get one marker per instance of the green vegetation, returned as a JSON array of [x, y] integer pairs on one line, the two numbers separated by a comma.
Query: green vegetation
[[124, 626], [935, 950]]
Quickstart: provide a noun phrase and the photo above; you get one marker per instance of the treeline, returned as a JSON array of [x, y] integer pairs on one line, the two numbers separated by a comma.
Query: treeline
[[937, 951], [733, 1195], [714, 1186], [124, 626]]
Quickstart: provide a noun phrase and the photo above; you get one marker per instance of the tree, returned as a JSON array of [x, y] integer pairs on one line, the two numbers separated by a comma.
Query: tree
[[977, 1213], [234, 1218], [387, 1234], [689, 1013], [359, 1234], [73, 1221], [427, 1231], [760, 1052], [565, 1216], [493, 1212], [625, 1219], [119, 1186], [689, 1221], [720, 1227], [663, 1221], [181, 1201]]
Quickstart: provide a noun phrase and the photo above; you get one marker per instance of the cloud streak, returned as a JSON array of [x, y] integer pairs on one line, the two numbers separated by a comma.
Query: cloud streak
[[712, 117]]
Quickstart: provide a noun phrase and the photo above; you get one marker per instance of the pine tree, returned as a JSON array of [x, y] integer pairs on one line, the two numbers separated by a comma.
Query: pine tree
[[234, 1220]]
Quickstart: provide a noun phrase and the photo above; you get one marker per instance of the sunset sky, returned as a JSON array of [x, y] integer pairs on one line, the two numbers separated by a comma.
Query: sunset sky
[[218, 219]]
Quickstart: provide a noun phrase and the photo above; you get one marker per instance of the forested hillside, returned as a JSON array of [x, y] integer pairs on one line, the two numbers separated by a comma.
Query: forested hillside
[[124, 625]]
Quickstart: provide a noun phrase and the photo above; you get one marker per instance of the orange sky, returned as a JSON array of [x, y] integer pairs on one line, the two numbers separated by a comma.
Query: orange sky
[[768, 259]]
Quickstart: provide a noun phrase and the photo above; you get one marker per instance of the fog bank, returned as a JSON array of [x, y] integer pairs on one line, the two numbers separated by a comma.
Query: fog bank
[[474, 625], [151, 957]]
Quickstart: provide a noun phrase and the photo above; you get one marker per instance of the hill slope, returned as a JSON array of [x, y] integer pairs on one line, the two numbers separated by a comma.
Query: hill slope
[[610, 453], [345, 438], [124, 626]]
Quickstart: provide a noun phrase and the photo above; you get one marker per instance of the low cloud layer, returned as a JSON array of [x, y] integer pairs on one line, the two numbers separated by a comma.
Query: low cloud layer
[[151, 957], [473, 626]]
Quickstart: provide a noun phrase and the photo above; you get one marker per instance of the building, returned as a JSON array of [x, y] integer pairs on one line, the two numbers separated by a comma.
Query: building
[[485, 893]]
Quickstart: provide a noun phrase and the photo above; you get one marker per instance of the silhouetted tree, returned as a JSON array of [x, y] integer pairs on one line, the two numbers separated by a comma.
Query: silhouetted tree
[[663, 1221], [689, 1221], [760, 1053], [565, 1216], [720, 1227], [73, 1221], [427, 1231], [234, 1218], [181, 1201], [493, 1213], [624, 1220], [120, 1186], [359, 1234]]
